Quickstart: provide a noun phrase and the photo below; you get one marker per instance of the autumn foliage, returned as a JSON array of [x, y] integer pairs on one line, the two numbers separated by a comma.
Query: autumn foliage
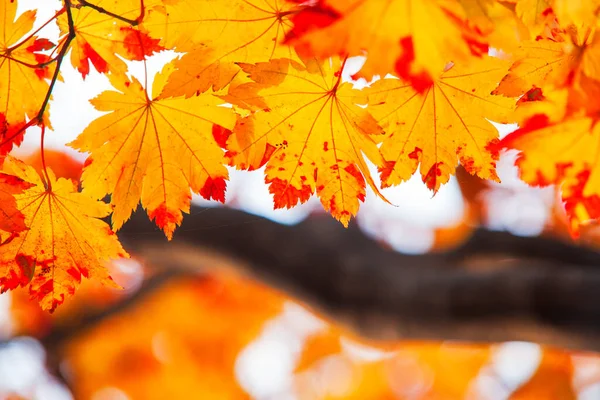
[[263, 84], [185, 339]]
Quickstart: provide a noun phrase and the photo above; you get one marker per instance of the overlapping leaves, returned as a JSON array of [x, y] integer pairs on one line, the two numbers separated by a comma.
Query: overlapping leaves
[[559, 75], [154, 151], [310, 133], [280, 63], [65, 238], [104, 41], [23, 74], [216, 35], [446, 123]]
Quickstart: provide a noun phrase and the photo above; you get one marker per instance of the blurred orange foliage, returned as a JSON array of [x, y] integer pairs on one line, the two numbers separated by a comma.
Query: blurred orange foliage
[[182, 339], [185, 339]]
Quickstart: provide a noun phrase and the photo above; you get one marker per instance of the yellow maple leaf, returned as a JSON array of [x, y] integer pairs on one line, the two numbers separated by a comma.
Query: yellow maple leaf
[[154, 150], [66, 239], [11, 219], [445, 124], [100, 38], [532, 13], [537, 64], [562, 152], [578, 13], [537, 13], [496, 21], [546, 63], [311, 135], [217, 34], [23, 76], [397, 35]]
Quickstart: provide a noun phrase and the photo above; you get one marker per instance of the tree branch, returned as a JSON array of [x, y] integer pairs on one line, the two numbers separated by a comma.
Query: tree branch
[[38, 119], [102, 10], [496, 287]]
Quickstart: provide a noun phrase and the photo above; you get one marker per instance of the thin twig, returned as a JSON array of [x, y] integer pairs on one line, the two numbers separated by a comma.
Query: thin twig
[[35, 66], [59, 59], [48, 183], [132, 22]]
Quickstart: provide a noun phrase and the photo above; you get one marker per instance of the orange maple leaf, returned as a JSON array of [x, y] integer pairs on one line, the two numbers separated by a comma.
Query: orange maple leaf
[[533, 13], [558, 140], [496, 21], [217, 34], [102, 39], [311, 134], [65, 241], [154, 150], [564, 153], [23, 84], [397, 35], [548, 63], [537, 13], [11, 219], [578, 13], [445, 124]]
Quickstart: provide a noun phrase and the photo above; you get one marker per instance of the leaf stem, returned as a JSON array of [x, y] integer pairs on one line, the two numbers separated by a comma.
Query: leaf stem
[[339, 75], [48, 183], [141, 42], [39, 119], [59, 59], [66, 42]]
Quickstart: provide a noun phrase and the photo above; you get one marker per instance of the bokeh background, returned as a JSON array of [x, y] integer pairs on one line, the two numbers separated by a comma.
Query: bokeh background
[[221, 334]]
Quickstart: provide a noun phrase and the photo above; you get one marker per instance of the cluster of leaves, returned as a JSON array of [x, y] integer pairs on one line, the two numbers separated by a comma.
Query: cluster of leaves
[[259, 84]]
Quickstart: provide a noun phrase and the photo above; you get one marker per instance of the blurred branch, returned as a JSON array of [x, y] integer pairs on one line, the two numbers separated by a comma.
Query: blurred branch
[[495, 287]]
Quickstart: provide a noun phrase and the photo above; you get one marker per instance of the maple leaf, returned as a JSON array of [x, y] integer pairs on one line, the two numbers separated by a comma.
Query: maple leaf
[[445, 124], [552, 63], [537, 13], [534, 13], [311, 135], [558, 141], [564, 153], [496, 21], [396, 34], [217, 34], [23, 83], [11, 219], [154, 150], [101, 38], [579, 13], [65, 241]]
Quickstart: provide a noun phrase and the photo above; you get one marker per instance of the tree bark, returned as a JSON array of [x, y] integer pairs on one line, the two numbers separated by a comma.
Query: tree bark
[[496, 287]]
